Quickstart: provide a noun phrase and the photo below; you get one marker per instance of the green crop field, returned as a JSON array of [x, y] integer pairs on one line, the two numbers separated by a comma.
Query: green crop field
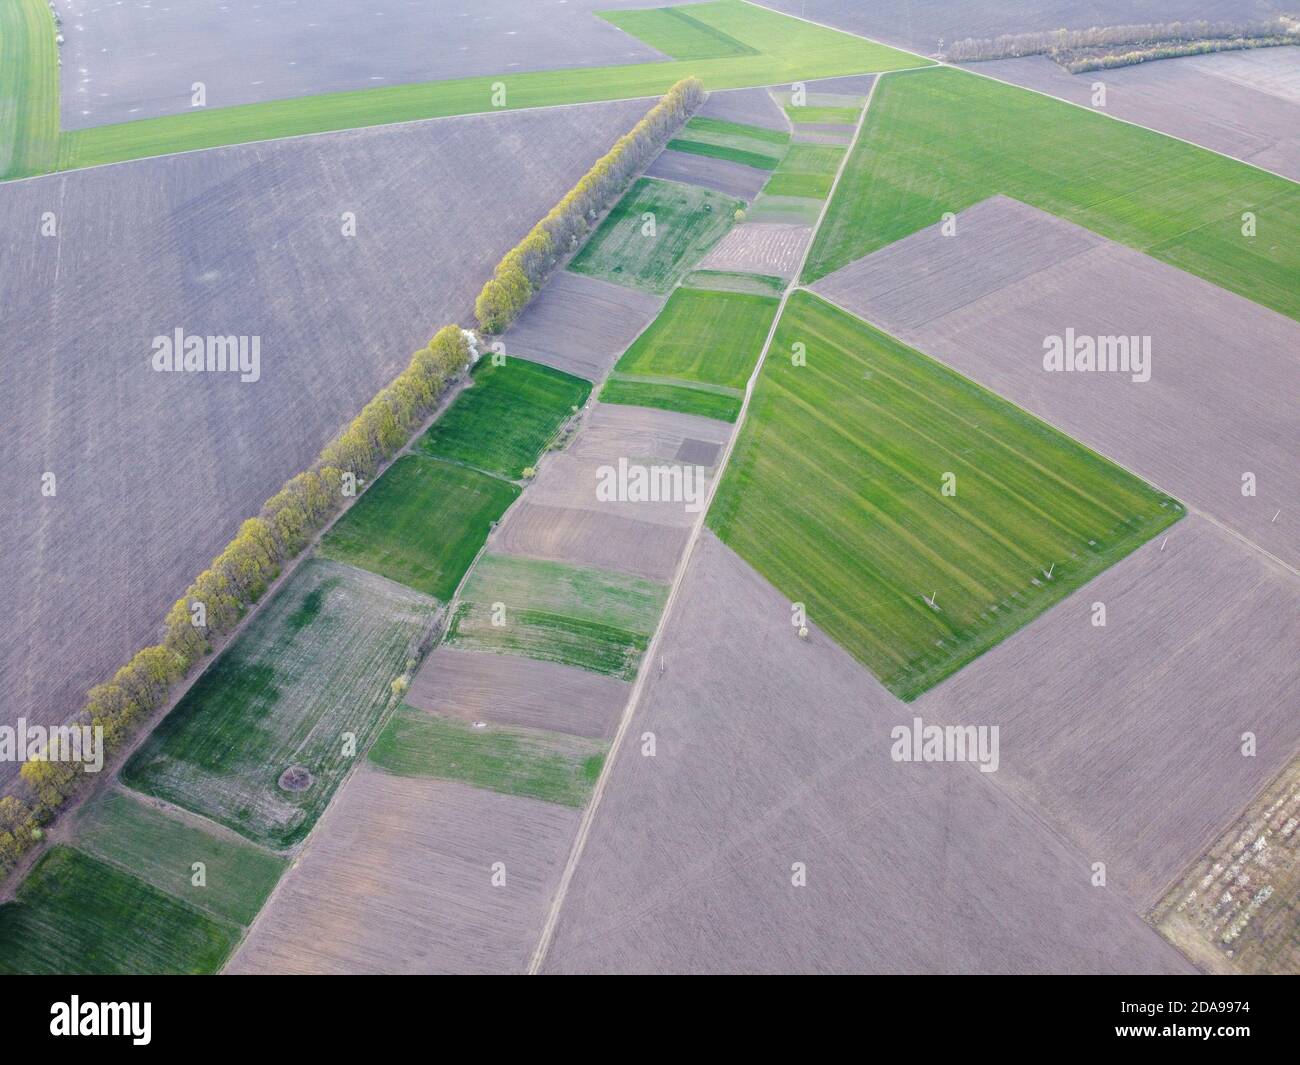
[[714, 337], [696, 356], [739, 134], [774, 49], [806, 171], [29, 89], [750, 145], [581, 617], [688, 221], [944, 139], [834, 494], [759, 161], [161, 849], [76, 915], [674, 32], [314, 666], [664, 395], [805, 115], [421, 523], [729, 281], [503, 423], [541, 765]]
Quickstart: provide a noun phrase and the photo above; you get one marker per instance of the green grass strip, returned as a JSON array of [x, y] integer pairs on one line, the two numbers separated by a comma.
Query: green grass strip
[[540, 765], [682, 398], [161, 849]]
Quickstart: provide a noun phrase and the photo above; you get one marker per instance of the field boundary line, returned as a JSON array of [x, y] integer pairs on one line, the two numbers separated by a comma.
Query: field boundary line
[[679, 576], [937, 62], [1187, 507]]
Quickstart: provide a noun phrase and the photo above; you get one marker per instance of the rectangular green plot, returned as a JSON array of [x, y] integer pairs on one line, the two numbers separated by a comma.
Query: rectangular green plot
[[673, 32], [733, 281], [655, 252], [588, 618], [945, 139], [421, 523], [834, 494], [809, 186], [304, 687], [541, 765], [76, 915], [161, 849], [504, 421], [721, 151], [701, 126], [701, 335], [786, 50], [847, 116], [29, 89], [798, 210], [666, 395]]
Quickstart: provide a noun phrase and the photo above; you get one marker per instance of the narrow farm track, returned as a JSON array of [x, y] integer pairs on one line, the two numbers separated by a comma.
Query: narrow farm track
[[674, 590]]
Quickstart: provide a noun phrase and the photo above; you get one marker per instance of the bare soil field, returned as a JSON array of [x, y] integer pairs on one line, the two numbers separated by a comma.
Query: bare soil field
[[155, 471], [644, 436], [510, 690], [398, 879], [581, 324], [771, 751], [751, 107], [588, 538], [808, 134], [1244, 104], [922, 24], [1127, 737], [1223, 386], [136, 59], [760, 248], [722, 175]]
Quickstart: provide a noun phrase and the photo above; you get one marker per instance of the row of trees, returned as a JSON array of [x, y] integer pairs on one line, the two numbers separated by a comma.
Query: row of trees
[[1150, 36], [523, 269], [219, 597]]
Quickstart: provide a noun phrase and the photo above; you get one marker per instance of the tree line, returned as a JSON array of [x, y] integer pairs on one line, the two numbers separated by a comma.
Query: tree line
[[524, 268], [220, 596], [1109, 46]]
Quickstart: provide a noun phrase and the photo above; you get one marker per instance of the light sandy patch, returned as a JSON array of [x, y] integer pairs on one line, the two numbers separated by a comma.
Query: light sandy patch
[[398, 879], [759, 248], [588, 538], [512, 690], [1224, 378]]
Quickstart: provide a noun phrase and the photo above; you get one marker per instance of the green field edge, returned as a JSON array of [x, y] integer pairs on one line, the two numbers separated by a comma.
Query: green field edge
[[365, 108]]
